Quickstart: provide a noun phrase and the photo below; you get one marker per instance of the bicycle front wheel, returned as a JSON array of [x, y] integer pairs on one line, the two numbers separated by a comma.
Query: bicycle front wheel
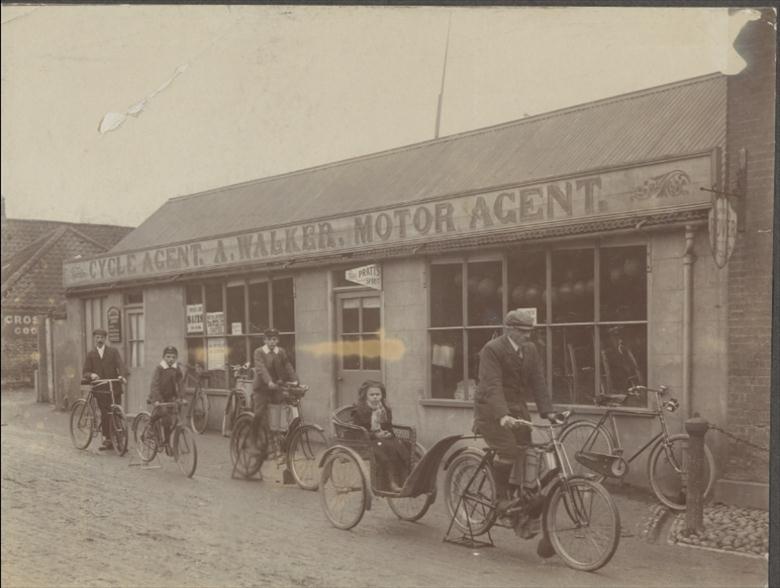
[[583, 524], [668, 471], [82, 424], [343, 490], [119, 432], [246, 455], [230, 414], [185, 452], [585, 436], [144, 437], [413, 508], [307, 445], [470, 493], [199, 412]]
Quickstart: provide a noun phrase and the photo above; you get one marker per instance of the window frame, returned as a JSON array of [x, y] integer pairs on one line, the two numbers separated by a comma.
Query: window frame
[[129, 311]]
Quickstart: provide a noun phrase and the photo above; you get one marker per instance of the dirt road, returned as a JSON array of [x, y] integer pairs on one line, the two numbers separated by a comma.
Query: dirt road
[[83, 518]]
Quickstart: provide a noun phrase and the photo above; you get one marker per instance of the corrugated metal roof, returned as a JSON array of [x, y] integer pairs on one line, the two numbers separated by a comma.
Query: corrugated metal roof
[[676, 119]]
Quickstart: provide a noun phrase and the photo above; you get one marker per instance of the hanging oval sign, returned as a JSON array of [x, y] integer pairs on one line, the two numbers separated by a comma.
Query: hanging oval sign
[[114, 325], [722, 229]]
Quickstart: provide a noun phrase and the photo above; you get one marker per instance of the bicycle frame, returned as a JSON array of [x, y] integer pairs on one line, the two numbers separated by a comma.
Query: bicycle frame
[[91, 398]]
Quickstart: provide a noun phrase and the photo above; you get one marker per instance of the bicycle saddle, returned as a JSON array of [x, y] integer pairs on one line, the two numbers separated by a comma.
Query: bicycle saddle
[[610, 399]]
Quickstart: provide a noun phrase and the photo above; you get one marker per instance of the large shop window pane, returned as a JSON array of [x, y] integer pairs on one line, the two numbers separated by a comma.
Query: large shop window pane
[[236, 351], [258, 307], [484, 293], [287, 342], [447, 364], [572, 286], [350, 352], [195, 352], [527, 278], [573, 372], [254, 344], [446, 295], [350, 315], [371, 320], [624, 360], [623, 284], [476, 339], [194, 294], [236, 325], [214, 298], [283, 303]]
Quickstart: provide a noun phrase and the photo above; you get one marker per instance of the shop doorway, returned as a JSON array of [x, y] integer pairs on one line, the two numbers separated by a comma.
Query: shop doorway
[[358, 329]]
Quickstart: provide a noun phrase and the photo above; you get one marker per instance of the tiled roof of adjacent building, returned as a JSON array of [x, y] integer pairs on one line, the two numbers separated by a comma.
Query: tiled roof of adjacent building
[[682, 118]]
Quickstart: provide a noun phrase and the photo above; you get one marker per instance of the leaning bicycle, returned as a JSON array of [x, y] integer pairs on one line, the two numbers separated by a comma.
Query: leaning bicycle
[[200, 405], [85, 417], [598, 448], [240, 397], [150, 438], [281, 435], [579, 519]]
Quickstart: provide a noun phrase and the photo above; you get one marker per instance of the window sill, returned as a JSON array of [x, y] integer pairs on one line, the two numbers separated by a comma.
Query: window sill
[[576, 408]]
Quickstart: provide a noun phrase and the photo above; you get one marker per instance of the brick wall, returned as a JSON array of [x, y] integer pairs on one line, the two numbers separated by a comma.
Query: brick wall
[[20, 355], [751, 104]]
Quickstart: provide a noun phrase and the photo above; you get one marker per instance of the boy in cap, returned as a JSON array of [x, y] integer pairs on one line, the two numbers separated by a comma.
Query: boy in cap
[[104, 363], [510, 374], [166, 387]]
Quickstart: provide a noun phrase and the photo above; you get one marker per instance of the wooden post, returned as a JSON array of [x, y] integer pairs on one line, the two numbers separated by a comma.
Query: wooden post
[[696, 428]]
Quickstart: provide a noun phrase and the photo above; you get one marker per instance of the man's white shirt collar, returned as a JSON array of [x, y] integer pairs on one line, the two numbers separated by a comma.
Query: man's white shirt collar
[[101, 351], [266, 349], [515, 346]]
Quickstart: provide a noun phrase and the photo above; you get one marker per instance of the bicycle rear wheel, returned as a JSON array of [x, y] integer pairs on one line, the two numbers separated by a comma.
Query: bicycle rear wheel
[[82, 423], [343, 490], [582, 523], [144, 436], [470, 493], [185, 451], [233, 408], [199, 411], [413, 508], [304, 451], [574, 439], [119, 432], [668, 471], [246, 456]]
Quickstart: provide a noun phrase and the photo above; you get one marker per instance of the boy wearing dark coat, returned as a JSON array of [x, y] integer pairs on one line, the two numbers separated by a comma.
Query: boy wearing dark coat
[[166, 387]]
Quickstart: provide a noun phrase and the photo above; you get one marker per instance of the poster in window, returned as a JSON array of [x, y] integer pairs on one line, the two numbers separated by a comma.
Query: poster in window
[[215, 323], [236, 328], [194, 318], [215, 354], [114, 325]]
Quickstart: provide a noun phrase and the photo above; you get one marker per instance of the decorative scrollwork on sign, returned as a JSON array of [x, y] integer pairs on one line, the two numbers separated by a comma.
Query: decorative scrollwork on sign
[[669, 185]]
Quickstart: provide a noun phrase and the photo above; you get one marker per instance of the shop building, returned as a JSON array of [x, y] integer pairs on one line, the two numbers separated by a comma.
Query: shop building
[[400, 265]]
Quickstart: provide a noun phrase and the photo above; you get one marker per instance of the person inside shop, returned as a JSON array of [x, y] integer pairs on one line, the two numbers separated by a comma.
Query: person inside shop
[[510, 374], [166, 386], [392, 454], [104, 363], [272, 367], [621, 370]]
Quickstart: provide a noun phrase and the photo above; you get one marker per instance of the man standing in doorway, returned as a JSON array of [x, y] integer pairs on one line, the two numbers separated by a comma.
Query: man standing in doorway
[[510, 374], [102, 363]]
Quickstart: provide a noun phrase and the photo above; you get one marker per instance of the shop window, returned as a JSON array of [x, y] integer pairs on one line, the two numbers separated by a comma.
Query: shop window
[[134, 297], [591, 335], [226, 321], [135, 338], [93, 318]]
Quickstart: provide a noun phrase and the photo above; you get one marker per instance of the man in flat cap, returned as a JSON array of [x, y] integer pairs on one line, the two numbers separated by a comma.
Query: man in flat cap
[[510, 374], [102, 363]]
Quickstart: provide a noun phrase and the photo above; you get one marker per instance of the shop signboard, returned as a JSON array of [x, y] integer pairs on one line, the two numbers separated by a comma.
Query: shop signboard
[[114, 324], [20, 325], [628, 192], [194, 318], [215, 323], [367, 275], [722, 230]]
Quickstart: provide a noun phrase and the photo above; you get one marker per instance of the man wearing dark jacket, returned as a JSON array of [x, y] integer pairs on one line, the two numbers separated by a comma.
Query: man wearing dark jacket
[[102, 363], [510, 374]]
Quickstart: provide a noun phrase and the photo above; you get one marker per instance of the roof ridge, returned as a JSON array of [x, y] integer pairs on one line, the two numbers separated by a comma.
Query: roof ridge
[[45, 246], [81, 234], [492, 128], [70, 223]]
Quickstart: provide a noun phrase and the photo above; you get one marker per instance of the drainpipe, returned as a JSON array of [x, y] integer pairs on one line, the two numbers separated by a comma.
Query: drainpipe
[[689, 258]]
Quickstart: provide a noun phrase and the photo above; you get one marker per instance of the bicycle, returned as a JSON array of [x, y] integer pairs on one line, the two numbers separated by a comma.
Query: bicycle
[[150, 438], [571, 506], [597, 448], [287, 439], [85, 418], [344, 475], [240, 398], [198, 415]]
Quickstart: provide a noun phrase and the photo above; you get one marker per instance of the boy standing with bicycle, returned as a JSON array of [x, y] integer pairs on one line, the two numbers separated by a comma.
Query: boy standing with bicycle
[[104, 363], [166, 387]]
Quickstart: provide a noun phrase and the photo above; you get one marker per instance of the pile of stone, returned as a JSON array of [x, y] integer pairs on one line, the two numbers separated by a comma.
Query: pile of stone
[[728, 528]]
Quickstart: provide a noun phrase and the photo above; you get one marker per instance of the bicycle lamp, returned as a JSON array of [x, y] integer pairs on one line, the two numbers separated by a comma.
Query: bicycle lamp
[[671, 405]]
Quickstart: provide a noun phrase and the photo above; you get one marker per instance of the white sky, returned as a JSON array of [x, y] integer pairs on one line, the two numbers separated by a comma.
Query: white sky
[[268, 90]]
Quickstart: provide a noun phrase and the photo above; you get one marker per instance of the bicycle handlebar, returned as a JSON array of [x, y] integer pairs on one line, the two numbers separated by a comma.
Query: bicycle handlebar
[[637, 390], [565, 414]]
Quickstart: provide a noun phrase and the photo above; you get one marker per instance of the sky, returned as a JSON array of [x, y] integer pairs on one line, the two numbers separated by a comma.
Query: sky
[[200, 97]]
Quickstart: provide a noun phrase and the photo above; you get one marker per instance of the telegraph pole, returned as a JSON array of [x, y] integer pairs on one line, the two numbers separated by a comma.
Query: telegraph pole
[[443, 76]]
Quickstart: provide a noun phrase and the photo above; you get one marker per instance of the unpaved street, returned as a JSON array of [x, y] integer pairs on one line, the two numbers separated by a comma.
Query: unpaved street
[[82, 518]]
